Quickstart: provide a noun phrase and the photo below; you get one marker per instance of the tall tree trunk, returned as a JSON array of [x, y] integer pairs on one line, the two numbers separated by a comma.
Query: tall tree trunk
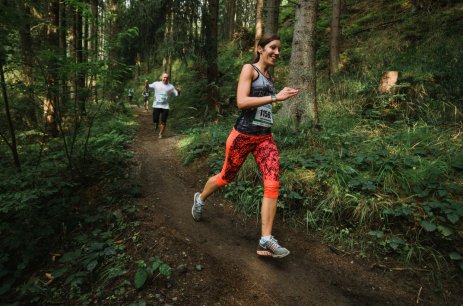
[[86, 48], [231, 11], [211, 40], [51, 99], [111, 16], [63, 47], [27, 55], [335, 37], [13, 146], [239, 15], [258, 35], [192, 34], [211, 54], [249, 13], [302, 72], [79, 60], [272, 12], [168, 39], [94, 46]]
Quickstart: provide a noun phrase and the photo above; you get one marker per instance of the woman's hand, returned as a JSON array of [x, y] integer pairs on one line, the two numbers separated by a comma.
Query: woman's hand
[[286, 93]]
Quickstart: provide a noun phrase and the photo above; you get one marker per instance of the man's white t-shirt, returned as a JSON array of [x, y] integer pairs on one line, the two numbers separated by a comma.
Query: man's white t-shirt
[[162, 92]]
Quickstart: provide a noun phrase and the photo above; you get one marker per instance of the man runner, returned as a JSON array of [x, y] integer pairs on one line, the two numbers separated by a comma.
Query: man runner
[[163, 90]]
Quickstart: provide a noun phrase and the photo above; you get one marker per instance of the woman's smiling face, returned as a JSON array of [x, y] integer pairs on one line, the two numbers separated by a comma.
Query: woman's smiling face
[[270, 53]]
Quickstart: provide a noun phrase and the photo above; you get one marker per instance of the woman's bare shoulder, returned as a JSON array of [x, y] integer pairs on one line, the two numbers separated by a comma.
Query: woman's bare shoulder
[[248, 71]]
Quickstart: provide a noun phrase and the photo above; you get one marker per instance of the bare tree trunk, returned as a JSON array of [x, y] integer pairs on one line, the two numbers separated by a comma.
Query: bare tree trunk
[[79, 59], [302, 68], [63, 47], [259, 9], [193, 34], [28, 60], [111, 16], [212, 14], [239, 14], [210, 34], [94, 46], [13, 146], [168, 35], [343, 6], [51, 98], [86, 47], [231, 11], [167, 60], [335, 37], [272, 9], [250, 12]]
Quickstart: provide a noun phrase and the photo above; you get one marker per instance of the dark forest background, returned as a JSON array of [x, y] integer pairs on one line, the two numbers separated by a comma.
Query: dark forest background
[[371, 151]]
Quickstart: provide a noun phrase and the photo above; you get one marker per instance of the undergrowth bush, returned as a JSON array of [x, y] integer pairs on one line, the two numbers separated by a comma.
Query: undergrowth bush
[[43, 205], [202, 142]]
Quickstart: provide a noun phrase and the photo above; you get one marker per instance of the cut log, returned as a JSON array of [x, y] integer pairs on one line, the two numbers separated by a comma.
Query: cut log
[[388, 80]]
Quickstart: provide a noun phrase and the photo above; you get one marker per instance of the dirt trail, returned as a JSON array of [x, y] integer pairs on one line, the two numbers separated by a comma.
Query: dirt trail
[[224, 245]]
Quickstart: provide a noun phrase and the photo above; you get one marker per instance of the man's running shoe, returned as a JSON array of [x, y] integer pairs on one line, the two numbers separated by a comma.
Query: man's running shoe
[[197, 209], [271, 248]]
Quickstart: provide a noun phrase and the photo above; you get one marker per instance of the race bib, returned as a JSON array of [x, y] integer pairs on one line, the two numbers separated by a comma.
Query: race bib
[[263, 116], [161, 98]]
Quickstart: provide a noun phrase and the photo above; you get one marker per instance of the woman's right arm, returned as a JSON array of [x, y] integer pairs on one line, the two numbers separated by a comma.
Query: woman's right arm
[[243, 98]]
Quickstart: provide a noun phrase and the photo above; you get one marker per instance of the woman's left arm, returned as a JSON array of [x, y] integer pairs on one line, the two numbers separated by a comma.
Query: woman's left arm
[[245, 101]]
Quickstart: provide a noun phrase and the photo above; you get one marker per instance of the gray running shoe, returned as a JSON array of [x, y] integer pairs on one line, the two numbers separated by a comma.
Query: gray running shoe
[[271, 248], [197, 209]]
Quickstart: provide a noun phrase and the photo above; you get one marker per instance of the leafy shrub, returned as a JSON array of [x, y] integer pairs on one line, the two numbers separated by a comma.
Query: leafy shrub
[[41, 203]]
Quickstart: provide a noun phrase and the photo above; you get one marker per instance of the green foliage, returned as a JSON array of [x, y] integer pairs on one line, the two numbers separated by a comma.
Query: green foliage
[[95, 255], [42, 203], [417, 45], [246, 195], [191, 108], [146, 270], [32, 203], [383, 174], [202, 142], [230, 60], [108, 142]]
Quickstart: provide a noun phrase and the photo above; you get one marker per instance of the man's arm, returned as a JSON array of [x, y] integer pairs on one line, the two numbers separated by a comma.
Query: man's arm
[[174, 91]]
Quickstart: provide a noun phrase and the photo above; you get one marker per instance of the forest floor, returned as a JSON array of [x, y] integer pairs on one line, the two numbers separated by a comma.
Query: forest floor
[[215, 263]]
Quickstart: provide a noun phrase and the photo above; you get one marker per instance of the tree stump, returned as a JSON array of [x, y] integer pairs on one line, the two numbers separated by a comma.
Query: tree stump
[[388, 81]]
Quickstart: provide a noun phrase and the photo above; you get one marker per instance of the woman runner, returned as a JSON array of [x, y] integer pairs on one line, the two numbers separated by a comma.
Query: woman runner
[[252, 133]]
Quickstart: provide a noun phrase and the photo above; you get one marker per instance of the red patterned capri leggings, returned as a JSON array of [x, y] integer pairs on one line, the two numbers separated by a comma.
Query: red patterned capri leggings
[[265, 153]]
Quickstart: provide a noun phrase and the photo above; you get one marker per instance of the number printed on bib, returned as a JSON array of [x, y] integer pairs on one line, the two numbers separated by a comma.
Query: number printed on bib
[[161, 98], [263, 116]]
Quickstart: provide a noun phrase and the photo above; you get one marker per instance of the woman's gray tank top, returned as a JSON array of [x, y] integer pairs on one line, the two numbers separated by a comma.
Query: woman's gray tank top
[[257, 121]]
